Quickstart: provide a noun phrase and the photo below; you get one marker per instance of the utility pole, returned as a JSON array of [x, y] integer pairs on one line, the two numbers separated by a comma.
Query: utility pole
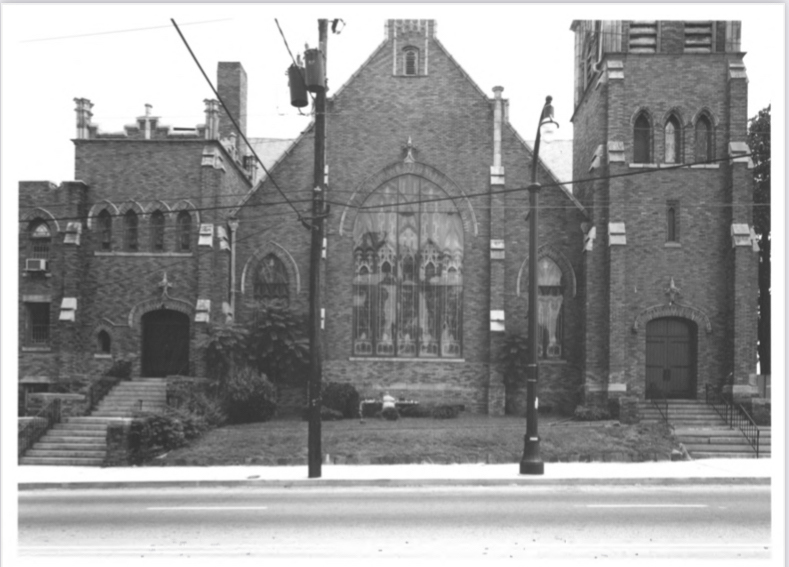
[[316, 245]]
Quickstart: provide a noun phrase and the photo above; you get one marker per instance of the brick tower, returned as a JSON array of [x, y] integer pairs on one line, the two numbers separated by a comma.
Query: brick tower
[[660, 122]]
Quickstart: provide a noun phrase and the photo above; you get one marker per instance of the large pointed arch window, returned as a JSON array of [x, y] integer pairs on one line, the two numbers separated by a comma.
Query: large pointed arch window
[[550, 312], [184, 231], [408, 282], [157, 231], [271, 282]]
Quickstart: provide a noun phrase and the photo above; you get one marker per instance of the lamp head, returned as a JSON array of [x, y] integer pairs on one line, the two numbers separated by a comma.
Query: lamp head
[[548, 125]]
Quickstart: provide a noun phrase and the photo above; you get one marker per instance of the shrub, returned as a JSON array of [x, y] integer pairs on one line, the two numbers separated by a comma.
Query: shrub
[[249, 397], [372, 410], [120, 368], [390, 414], [197, 397], [446, 411], [161, 430], [418, 410], [327, 414], [342, 398], [192, 424], [583, 413]]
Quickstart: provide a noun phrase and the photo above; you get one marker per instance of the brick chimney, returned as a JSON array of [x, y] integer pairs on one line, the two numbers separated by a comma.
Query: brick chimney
[[84, 116], [232, 88]]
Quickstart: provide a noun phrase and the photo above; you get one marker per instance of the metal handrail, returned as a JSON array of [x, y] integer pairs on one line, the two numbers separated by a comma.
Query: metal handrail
[[47, 416], [662, 410], [98, 389], [734, 415]]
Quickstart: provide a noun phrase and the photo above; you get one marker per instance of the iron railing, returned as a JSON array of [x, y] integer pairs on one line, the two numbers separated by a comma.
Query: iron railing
[[735, 416], [48, 416], [661, 404], [98, 389]]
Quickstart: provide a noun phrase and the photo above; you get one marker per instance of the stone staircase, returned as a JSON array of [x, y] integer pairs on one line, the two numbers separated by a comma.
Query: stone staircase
[[81, 441], [703, 432]]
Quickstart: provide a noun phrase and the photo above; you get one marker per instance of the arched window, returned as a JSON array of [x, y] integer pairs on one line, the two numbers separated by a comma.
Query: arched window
[[105, 229], [408, 263], [157, 231], [184, 224], [130, 225], [672, 221], [271, 281], [40, 239], [549, 305], [411, 62], [673, 141], [642, 140], [103, 342], [703, 140]]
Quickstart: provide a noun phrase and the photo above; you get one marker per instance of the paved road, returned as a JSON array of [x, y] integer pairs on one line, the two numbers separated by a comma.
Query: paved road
[[468, 523]]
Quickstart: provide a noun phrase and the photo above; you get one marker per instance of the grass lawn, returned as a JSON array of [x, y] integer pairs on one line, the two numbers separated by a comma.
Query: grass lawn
[[469, 438]]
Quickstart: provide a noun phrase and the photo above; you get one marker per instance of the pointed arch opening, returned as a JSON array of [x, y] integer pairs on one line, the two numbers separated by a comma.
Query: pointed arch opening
[[642, 139], [408, 272], [672, 146]]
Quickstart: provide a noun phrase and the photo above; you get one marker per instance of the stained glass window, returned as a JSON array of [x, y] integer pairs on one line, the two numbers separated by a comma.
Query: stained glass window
[[408, 263], [271, 281], [549, 304]]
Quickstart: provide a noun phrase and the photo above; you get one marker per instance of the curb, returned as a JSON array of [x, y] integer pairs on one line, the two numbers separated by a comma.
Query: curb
[[339, 483]]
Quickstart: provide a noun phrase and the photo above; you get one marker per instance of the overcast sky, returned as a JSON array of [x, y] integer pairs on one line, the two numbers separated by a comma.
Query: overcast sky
[[123, 56]]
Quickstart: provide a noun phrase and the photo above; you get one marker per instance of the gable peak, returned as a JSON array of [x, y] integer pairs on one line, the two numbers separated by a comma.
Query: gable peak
[[413, 28]]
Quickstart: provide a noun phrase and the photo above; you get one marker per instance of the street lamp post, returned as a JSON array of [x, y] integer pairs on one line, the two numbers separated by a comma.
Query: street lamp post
[[531, 463]]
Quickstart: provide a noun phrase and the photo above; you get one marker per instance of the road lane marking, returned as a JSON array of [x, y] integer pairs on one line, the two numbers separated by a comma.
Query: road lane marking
[[642, 506], [208, 508]]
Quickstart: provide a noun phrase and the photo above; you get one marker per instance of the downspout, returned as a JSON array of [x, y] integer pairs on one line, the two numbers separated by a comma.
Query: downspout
[[233, 226]]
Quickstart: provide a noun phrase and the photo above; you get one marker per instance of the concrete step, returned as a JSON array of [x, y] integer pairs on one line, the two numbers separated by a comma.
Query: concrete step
[[77, 433], [90, 419], [71, 454], [714, 455], [80, 426], [81, 439], [115, 413], [62, 461], [70, 446]]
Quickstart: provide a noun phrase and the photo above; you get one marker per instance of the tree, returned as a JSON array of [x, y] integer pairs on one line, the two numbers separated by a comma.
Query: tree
[[759, 143]]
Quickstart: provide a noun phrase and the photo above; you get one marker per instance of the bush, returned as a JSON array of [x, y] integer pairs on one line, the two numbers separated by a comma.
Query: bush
[[446, 411], [197, 397], [192, 424], [120, 368], [372, 410], [416, 411], [390, 414], [583, 413], [163, 431], [327, 414], [250, 397], [342, 398]]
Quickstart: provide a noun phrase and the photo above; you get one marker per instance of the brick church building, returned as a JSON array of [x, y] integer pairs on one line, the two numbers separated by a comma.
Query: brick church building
[[647, 268]]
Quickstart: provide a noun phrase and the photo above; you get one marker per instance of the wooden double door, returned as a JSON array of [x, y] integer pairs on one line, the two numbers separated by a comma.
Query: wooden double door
[[671, 359], [165, 343]]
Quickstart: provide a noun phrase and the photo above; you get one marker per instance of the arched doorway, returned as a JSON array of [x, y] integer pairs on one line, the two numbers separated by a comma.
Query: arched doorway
[[165, 343], [671, 358]]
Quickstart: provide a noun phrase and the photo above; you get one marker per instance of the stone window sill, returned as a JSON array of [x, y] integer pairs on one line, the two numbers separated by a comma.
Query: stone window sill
[[643, 165], [552, 361], [395, 359], [404, 76], [36, 349], [706, 166], [147, 254], [672, 245], [103, 356]]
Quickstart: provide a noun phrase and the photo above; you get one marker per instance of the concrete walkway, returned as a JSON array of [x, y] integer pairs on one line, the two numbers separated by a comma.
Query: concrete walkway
[[704, 471]]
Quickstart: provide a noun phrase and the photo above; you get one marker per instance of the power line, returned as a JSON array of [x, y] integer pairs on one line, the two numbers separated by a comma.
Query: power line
[[233, 120], [119, 31]]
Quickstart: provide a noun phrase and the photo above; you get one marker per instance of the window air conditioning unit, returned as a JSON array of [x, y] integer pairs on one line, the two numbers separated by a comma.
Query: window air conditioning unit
[[35, 265]]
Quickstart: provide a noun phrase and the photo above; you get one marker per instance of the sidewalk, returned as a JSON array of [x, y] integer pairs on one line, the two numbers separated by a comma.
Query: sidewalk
[[703, 471]]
